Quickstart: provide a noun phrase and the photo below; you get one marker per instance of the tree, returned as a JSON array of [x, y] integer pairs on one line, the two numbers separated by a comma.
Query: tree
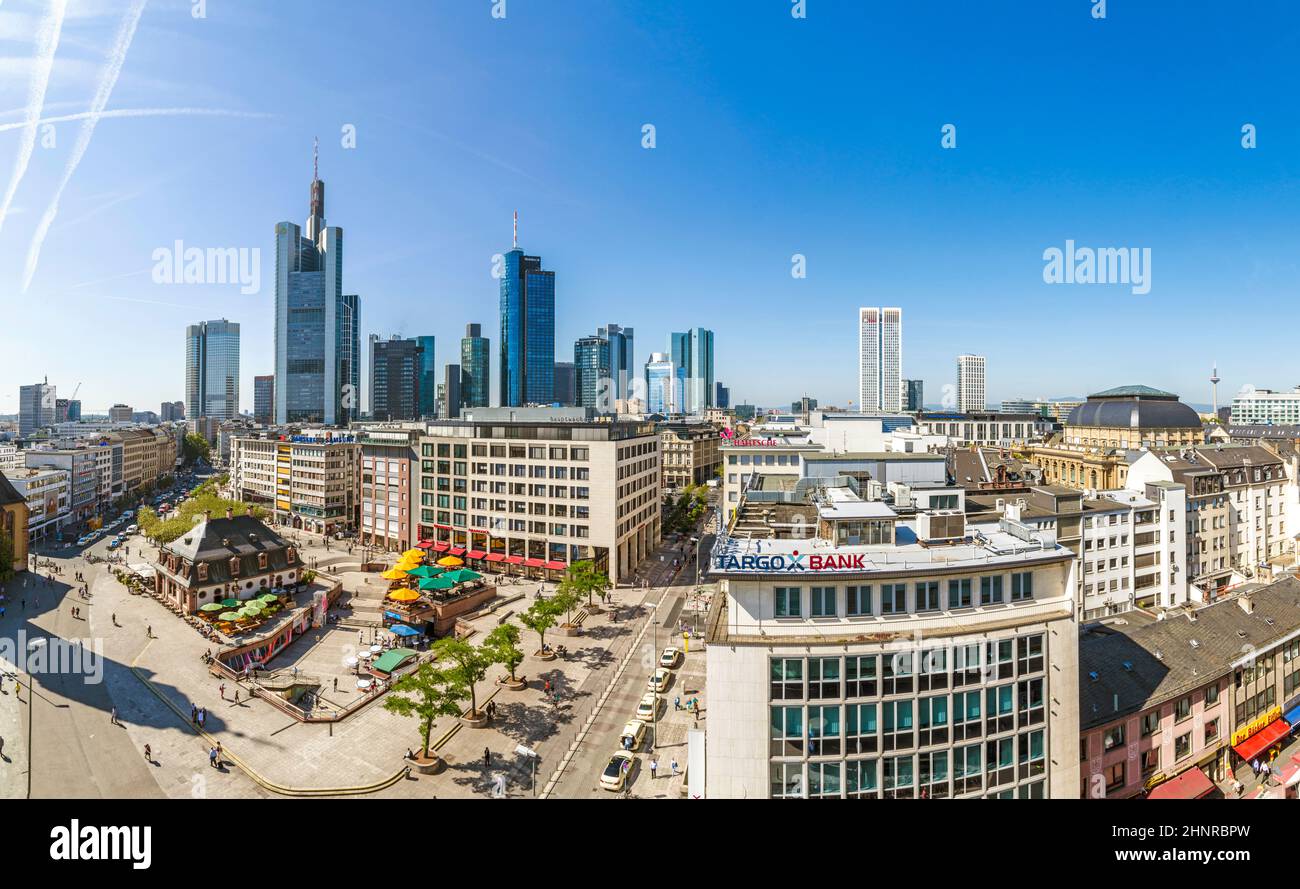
[[470, 664], [7, 557], [582, 579], [426, 693], [540, 617], [196, 447], [504, 641]]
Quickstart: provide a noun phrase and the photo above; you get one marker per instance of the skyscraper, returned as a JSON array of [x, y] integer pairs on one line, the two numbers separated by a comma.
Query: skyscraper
[[591, 363], [264, 398], [527, 329], [691, 353], [721, 396], [915, 397], [317, 343], [395, 379], [428, 378], [566, 384], [474, 368], [36, 407], [970, 383], [451, 392], [621, 360], [880, 354], [660, 384], [212, 370]]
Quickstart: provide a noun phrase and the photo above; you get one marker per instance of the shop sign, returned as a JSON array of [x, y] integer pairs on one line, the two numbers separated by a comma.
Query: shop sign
[[1256, 725]]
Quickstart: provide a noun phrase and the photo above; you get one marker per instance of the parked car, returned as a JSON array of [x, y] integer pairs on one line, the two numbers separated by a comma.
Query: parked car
[[633, 734], [670, 657], [659, 680], [618, 771], [131, 529], [645, 711]]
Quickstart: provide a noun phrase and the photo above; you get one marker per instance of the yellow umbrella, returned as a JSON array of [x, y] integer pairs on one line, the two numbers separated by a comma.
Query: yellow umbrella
[[406, 566], [417, 554], [393, 574], [403, 595], [450, 561]]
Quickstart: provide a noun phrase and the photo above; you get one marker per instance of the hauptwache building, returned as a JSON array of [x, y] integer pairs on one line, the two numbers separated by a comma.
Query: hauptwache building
[[870, 649]]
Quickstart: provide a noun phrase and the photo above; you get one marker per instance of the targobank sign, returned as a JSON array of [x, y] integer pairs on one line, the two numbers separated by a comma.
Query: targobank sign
[[794, 562]]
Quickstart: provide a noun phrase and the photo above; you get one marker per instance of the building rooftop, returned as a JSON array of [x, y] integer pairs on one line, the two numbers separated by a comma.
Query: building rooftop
[[1134, 407], [1159, 661], [8, 494]]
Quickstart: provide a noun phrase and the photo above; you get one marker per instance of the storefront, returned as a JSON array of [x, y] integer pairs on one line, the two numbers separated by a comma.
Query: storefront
[[1191, 784], [1262, 737]]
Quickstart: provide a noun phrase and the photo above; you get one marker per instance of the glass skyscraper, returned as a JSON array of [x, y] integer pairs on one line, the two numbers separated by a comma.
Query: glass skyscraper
[[474, 368], [527, 331], [396, 380], [659, 384], [691, 353], [621, 360], [317, 340], [428, 378], [591, 373], [880, 355], [212, 370]]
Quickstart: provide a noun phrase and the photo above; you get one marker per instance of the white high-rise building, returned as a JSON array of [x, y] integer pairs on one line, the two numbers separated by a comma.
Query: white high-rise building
[[970, 383], [880, 354]]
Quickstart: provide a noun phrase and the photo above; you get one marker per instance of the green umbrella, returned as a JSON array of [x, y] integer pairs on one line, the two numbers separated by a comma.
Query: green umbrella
[[269, 597], [229, 616], [229, 603], [460, 575], [426, 571], [251, 610], [436, 583], [212, 606]]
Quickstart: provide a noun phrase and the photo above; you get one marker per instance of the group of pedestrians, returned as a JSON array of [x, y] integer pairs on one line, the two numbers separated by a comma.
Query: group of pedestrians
[[654, 767], [198, 716]]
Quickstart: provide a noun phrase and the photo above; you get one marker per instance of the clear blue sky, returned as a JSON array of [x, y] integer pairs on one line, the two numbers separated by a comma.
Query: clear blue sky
[[775, 136]]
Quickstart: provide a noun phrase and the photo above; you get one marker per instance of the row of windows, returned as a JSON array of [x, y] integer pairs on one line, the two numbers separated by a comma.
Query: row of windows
[[862, 600]]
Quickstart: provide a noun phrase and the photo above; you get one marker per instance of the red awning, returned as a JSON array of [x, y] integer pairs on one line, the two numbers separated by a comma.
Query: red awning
[[556, 566], [515, 560], [458, 550], [441, 547], [443, 527], [425, 544], [495, 557], [475, 554], [1191, 784], [534, 563], [1262, 740]]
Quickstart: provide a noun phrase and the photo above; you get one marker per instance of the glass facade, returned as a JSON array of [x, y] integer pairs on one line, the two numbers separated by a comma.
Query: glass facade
[[659, 384], [691, 353], [527, 331], [428, 406], [212, 370], [474, 368], [591, 362]]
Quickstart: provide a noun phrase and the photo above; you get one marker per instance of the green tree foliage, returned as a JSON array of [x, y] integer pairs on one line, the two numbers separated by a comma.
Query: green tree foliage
[[540, 617], [196, 446], [469, 664], [426, 694], [582, 579], [6, 556], [164, 530], [504, 641]]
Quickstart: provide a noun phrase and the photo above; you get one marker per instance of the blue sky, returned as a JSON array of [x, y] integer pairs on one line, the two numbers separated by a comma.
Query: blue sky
[[775, 136]]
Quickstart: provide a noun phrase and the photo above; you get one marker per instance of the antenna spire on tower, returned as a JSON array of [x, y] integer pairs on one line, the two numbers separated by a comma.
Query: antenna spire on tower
[[315, 158], [516, 228]]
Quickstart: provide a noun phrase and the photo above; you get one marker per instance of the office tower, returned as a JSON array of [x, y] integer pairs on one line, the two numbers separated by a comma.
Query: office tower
[[36, 407], [880, 354], [621, 359], [914, 395], [60, 410], [721, 396], [74, 410], [660, 384], [120, 413], [566, 384], [317, 344], [395, 379], [591, 373], [527, 329], [451, 393], [212, 369], [691, 353], [970, 383], [171, 411], [263, 398], [428, 378], [474, 368]]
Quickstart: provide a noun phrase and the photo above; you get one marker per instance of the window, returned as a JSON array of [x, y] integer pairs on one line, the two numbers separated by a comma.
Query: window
[[857, 601], [824, 731], [932, 721], [1001, 761], [967, 769], [823, 602], [898, 777], [1022, 586], [787, 780], [860, 676], [1029, 654], [787, 679], [861, 735], [1150, 723], [927, 595], [1183, 709], [893, 598], [1183, 745], [932, 775], [1033, 760], [1212, 695], [1000, 706], [1150, 761], [787, 601], [991, 590], [897, 720], [824, 780], [787, 731], [959, 593], [1114, 737], [1115, 776], [966, 722], [824, 677], [1211, 731], [1030, 693], [860, 779]]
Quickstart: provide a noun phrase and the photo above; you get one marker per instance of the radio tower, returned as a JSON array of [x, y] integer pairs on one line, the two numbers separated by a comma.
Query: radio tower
[[1214, 387]]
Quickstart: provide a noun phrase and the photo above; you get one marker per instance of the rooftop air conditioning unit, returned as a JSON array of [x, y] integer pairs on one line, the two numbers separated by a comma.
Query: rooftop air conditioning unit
[[941, 525]]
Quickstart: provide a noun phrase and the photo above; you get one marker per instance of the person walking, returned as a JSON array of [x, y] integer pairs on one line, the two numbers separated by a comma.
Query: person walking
[[194, 715], [673, 766], [336, 683], [654, 768], [112, 717], [487, 757], [148, 754], [677, 703], [220, 752], [1254, 765], [222, 688], [212, 757]]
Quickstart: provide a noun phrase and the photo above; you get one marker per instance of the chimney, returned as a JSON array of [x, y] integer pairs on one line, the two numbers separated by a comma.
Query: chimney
[[1247, 603]]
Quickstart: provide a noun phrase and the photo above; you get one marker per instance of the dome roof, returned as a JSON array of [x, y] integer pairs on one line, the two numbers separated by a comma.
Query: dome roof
[[1134, 407]]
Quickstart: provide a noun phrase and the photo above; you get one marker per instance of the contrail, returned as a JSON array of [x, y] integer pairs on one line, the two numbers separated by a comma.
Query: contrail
[[136, 112], [106, 84], [47, 43]]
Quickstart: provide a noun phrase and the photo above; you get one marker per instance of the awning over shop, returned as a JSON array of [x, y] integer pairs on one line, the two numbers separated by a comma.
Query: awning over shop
[[425, 544], [403, 630], [475, 554], [1262, 740], [495, 557], [1292, 715], [515, 560], [1191, 784], [534, 563], [391, 660], [394, 615], [556, 566], [441, 547], [458, 550]]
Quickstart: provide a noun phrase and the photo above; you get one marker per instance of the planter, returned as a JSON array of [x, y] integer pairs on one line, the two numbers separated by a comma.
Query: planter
[[544, 655], [512, 684], [475, 721], [569, 631], [431, 766]]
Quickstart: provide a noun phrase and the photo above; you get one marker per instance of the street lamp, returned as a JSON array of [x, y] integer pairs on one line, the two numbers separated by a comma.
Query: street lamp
[[654, 685]]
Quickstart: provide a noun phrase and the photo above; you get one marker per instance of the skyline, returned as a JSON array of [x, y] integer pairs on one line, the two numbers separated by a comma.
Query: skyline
[[749, 169]]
